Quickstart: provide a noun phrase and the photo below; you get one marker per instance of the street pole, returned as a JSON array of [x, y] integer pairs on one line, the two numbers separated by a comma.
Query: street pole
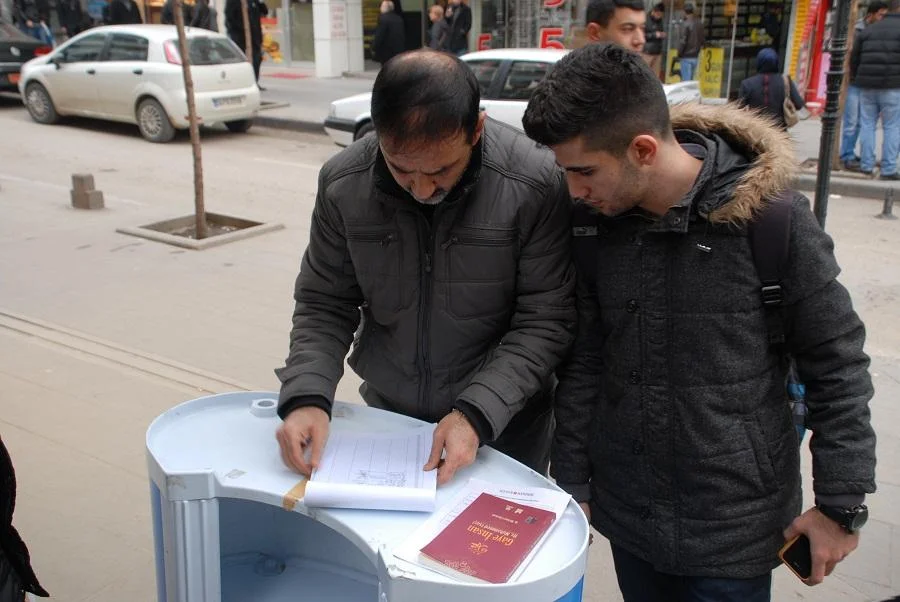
[[832, 107]]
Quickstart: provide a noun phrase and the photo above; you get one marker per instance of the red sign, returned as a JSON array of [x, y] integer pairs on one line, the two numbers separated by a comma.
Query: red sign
[[551, 37], [484, 41]]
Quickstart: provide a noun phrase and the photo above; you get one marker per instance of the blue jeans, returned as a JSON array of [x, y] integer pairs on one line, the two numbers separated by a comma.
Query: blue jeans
[[41, 32], [688, 68], [850, 124], [640, 582], [887, 103]]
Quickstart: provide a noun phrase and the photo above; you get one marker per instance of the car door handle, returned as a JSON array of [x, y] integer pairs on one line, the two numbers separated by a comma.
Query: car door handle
[[91, 71], [137, 71]]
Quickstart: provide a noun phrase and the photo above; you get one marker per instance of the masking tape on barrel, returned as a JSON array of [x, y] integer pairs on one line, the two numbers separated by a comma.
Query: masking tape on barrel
[[294, 495]]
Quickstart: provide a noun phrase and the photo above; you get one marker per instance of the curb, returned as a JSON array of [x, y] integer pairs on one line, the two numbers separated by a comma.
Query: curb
[[289, 123], [851, 187]]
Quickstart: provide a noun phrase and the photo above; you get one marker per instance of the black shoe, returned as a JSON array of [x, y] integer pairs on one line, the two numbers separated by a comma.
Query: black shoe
[[894, 177], [851, 165]]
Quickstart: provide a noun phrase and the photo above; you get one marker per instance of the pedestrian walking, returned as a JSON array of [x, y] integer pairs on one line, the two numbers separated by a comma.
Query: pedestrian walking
[[768, 90], [693, 37], [440, 28], [655, 34], [460, 24], [390, 37], [234, 25]]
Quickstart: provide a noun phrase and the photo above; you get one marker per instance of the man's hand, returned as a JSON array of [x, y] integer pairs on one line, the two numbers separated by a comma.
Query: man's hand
[[304, 431], [455, 435], [29, 23], [829, 543]]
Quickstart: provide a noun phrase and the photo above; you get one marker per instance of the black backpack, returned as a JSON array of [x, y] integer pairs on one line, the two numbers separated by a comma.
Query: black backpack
[[770, 237]]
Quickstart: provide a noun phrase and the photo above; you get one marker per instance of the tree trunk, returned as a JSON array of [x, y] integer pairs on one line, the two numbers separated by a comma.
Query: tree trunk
[[248, 42], [199, 205], [851, 36]]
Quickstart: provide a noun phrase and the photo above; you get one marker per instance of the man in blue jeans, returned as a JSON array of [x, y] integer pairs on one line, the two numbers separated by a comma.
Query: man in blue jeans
[[875, 69], [692, 40], [850, 120], [32, 17]]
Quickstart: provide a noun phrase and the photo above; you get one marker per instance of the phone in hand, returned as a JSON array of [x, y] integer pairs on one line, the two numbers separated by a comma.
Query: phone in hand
[[797, 556]]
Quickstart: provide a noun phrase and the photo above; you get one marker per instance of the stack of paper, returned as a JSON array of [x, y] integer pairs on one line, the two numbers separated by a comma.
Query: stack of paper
[[375, 471]]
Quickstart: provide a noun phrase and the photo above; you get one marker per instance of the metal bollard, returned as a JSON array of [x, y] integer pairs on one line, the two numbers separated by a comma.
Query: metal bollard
[[887, 210]]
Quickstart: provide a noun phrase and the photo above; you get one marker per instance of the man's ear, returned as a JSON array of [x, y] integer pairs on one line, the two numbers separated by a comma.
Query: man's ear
[[479, 127], [644, 150], [594, 32]]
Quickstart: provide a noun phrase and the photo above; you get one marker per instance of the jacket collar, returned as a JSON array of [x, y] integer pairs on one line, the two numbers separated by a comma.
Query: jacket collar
[[392, 194]]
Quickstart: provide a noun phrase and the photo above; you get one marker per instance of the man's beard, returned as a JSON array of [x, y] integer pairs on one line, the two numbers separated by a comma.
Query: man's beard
[[434, 199]]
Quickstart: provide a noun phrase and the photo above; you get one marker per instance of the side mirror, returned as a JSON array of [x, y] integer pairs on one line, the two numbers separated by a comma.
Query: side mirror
[[57, 61]]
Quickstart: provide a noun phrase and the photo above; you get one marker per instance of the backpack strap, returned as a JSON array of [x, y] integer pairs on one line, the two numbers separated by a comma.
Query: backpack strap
[[770, 236]]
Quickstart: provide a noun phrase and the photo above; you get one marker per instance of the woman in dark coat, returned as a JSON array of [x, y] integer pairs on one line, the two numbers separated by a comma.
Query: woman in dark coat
[[16, 575], [765, 90]]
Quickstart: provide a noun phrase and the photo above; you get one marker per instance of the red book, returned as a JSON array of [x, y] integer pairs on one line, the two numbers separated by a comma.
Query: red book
[[488, 540]]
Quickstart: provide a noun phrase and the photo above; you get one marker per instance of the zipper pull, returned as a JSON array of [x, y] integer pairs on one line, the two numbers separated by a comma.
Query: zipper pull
[[450, 241], [428, 263]]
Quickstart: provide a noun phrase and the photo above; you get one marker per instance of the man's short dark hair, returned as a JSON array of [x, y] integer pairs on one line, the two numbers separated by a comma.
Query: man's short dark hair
[[874, 7], [603, 92], [601, 11], [425, 96], [659, 7]]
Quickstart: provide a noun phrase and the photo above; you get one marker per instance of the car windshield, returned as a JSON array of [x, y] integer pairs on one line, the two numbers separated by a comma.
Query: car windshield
[[205, 50]]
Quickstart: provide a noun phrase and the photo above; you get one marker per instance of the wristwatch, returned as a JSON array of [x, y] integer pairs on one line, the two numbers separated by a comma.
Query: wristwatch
[[851, 518]]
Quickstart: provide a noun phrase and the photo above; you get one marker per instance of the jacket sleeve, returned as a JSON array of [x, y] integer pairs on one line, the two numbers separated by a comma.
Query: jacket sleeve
[[826, 336], [379, 39], [796, 98], [683, 42], [855, 54], [542, 324], [579, 386], [326, 313]]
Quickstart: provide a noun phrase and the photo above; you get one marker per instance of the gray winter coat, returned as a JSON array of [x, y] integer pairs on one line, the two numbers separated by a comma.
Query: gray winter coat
[[477, 308], [671, 411]]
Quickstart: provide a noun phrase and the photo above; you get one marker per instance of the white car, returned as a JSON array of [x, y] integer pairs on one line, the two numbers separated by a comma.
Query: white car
[[507, 77], [132, 74]]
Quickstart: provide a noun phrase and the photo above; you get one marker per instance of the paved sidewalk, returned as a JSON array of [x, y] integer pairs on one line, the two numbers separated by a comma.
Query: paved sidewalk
[[100, 333]]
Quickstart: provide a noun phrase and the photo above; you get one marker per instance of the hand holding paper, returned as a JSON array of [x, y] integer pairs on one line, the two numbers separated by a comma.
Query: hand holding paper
[[302, 438]]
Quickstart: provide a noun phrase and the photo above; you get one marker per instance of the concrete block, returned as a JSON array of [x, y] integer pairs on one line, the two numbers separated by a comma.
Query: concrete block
[[82, 182], [92, 199]]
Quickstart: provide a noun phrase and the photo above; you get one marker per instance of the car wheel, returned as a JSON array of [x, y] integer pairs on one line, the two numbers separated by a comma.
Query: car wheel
[[153, 121], [39, 104], [363, 130], [239, 126]]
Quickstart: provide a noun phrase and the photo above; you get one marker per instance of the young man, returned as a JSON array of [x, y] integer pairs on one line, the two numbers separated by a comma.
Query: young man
[[875, 69], [673, 425], [850, 121], [655, 33], [448, 235], [621, 22], [693, 37]]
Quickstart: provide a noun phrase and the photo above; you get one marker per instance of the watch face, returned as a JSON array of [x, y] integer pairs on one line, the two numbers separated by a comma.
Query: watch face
[[859, 518]]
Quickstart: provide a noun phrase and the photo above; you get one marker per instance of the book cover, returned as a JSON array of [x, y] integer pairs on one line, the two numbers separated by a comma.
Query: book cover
[[488, 540]]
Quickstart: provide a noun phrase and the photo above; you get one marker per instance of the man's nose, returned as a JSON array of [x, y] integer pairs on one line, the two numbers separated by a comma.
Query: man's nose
[[640, 38], [576, 189], [423, 187]]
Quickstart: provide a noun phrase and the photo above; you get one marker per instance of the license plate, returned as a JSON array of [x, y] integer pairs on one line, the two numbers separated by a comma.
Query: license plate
[[13, 78], [228, 101]]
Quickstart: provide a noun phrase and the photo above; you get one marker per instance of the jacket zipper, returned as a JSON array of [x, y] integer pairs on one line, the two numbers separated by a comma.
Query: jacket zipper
[[425, 279], [384, 238], [474, 239]]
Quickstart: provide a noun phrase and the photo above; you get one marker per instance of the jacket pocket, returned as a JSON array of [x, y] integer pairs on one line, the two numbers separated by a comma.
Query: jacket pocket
[[377, 256], [761, 451], [481, 271]]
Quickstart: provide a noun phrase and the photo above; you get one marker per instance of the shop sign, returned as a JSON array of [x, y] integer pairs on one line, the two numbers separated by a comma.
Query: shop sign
[[338, 20], [484, 41], [552, 37], [712, 64]]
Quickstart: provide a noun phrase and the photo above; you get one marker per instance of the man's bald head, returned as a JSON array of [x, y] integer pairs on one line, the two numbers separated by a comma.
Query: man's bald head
[[425, 96]]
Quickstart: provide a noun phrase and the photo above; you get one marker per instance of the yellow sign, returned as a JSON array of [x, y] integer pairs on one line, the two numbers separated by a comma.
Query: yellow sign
[[709, 72], [671, 63]]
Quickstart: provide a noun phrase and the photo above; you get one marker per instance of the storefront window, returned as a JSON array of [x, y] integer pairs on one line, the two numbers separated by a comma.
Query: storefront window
[[302, 38]]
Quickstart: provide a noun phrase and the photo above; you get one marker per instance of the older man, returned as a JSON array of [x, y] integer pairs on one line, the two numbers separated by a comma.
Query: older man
[[447, 234]]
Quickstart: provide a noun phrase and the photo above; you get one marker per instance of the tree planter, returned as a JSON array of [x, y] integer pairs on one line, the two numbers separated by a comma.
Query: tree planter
[[181, 231]]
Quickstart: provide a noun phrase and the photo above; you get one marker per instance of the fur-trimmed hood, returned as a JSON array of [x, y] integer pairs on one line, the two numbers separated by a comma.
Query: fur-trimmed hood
[[754, 159]]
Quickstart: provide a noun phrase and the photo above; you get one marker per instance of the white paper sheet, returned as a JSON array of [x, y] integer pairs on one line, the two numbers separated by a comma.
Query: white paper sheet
[[375, 471], [539, 497]]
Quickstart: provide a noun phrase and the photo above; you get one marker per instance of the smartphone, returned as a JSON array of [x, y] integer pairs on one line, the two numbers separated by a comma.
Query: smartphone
[[796, 555]]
